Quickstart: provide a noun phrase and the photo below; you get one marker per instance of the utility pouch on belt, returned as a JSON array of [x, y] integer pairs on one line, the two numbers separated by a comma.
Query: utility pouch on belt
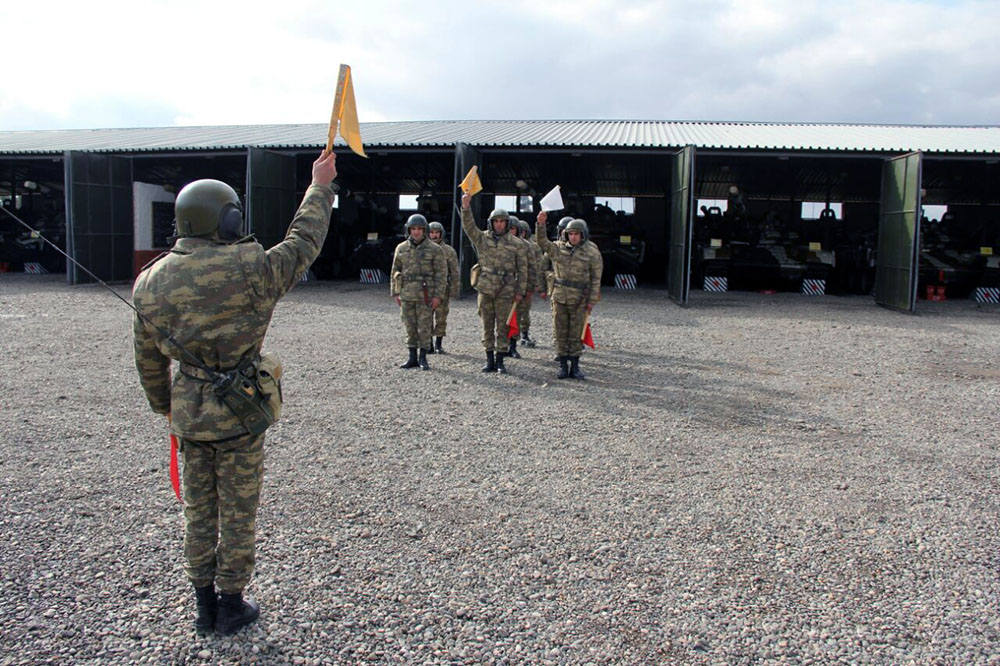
[[252, 392], [474, 275]]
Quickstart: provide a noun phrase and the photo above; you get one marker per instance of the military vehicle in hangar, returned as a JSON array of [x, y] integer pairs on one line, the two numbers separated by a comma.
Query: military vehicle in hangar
[[768, 253], [957, 257]]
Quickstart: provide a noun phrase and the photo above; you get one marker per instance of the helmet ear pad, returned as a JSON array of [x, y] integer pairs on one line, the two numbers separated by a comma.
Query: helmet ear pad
[[230, 223]]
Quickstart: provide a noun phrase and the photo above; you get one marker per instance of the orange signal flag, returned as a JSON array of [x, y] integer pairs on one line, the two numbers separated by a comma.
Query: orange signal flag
[[471, 184], [345, 114], [512, 327], [587, 337]]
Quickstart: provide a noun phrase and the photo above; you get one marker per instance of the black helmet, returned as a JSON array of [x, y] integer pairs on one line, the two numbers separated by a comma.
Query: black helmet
[[208, 207], [436, 226], [416, 220]]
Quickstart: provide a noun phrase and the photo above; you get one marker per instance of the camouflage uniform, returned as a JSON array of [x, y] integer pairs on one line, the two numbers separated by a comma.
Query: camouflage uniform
[[536, 284], [419, 274], [503, 273], [454, 282], [576, 284], [217, 299]]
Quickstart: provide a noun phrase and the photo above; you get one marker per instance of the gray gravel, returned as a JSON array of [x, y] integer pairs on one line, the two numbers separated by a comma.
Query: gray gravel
[[755, 479]]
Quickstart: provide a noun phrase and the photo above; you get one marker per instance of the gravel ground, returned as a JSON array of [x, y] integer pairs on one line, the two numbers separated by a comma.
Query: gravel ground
[[754, 479]]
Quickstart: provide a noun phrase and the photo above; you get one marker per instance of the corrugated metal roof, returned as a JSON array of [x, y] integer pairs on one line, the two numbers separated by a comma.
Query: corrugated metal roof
[[523, 134]]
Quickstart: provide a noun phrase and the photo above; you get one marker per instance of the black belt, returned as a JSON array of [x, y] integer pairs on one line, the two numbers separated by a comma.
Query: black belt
[[199, 374], [572, 284]]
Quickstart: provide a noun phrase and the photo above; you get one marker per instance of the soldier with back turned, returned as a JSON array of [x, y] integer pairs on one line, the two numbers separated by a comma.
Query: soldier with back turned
[[214, 293]]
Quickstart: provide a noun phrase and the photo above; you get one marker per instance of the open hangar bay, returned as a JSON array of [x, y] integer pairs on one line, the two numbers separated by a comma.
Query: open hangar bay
[[897, 212]]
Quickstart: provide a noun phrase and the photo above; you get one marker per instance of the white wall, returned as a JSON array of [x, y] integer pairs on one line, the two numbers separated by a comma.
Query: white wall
[[143, 196]]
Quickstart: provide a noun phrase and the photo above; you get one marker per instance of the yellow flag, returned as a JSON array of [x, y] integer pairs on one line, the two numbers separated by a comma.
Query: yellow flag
[[345, 114], [471, 184]]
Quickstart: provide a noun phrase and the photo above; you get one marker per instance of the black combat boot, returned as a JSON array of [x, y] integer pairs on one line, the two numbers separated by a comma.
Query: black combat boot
[[574, 370], [563, 367], [513, 353], [235, 613], [208, 607], [412, 362], [491, 365], [502, 370], [438, 349], [528, 342], [423, 360], [430, 349]]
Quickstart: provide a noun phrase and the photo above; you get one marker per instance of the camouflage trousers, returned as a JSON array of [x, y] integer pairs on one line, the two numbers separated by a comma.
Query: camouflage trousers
[[567, 326], [221, 492], [524, 315], [440, 327], [494, 313], [416, 316]]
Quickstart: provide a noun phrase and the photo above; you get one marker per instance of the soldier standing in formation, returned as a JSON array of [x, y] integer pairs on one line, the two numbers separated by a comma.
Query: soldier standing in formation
[[217, 295], [577, 266], [503, 277], [536, 282], [418, 284], [515, 232], [441, 314]]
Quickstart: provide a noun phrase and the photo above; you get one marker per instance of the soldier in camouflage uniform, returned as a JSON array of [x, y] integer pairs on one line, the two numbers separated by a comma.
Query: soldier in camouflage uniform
[[503, 277], [419, 283], [514, 229], [215, 295], [577, 287], [535, 256], [454, 282]]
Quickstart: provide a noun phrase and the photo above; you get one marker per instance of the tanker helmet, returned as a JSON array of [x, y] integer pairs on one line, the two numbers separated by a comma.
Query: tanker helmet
[[416, 220], [208, 207], [578, 225]]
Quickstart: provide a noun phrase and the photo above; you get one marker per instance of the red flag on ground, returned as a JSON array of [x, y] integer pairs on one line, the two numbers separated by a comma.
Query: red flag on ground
[[512, 327], [175, 476], [587, 337]]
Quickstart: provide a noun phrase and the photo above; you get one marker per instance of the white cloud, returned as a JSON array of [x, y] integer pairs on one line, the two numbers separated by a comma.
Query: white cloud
[[109, 63]]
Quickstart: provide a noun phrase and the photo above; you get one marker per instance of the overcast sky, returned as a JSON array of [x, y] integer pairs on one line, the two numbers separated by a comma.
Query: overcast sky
[[157, 63]]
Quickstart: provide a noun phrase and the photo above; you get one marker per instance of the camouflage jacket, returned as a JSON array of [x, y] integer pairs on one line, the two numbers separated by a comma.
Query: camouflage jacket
[[216, 299], [416, 267], [529, 261], [538, 256], [577, 271], [454, 279], [502, 263]]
